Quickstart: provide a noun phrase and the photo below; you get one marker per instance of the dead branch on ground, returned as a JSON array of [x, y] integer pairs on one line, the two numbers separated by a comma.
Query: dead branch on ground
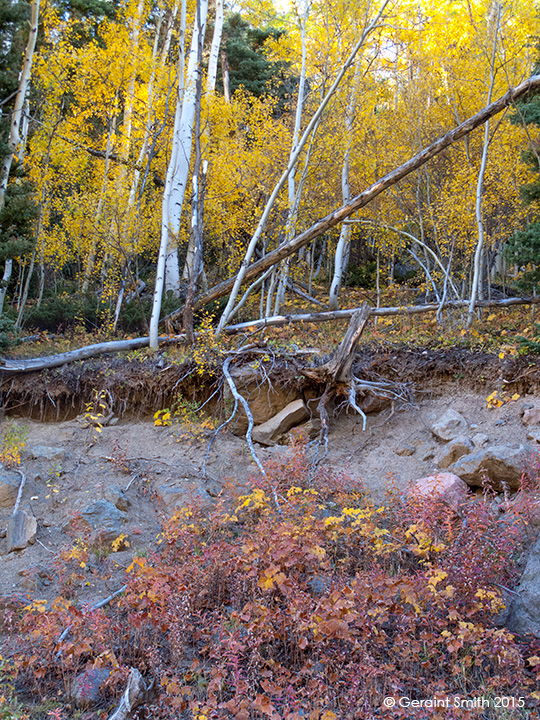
[[137, 693]]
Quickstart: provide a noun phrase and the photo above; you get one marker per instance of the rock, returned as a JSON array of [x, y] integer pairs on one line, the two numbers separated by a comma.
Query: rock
[[499, 463], [443, 486], [307, 431], [480, 439], [21, 530], [175, 497], [87, 685], [269, 433], [534, 435], [426, 452], [8, 490], [319, 585], [43, 452], [524, 611], [404, 450], [117, 497], [265, 398], [531, 416], [104, 518], [370, 403], [456, 448], [449, 425]]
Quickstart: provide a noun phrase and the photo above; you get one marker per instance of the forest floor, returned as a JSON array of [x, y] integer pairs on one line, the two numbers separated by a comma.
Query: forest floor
[[156, 468], [159, 467]]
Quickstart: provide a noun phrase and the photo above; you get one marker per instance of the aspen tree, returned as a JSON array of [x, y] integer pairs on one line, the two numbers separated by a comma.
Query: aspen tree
[[178, 170]]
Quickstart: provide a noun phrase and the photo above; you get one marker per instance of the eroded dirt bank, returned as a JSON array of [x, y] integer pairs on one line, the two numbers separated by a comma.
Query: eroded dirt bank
[[158, 468], [142, 385]]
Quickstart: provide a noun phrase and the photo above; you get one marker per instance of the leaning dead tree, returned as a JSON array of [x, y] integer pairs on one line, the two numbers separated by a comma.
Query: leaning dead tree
[[287, 248]]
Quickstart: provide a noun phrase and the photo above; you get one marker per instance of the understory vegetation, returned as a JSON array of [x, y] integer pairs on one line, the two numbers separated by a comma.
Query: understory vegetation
[[299, 599]]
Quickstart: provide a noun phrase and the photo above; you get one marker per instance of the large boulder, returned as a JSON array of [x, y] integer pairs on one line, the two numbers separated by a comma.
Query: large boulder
[[524, 610], [21, 531], [450, 425], [501, 464], [270, 432], [446, 487], [456, 448]]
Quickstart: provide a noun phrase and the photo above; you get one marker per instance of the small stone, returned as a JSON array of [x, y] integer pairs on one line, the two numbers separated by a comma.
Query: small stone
[[427, 453], [105, 519], [87, 685], [8, 490], [449, 425], [21, 531], [531, 416], [404, 450], [480, 439], [117, 497], [456, 448], [175, 497], [44, 452], [319, 585], [534, 435]]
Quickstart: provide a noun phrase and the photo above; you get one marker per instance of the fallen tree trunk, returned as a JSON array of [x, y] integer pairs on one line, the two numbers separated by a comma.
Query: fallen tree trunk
[[345, 211], [321, 317], [52, 361]]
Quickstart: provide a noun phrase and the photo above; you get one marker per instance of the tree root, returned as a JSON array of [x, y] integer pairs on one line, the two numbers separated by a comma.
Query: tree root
[[241, 399], [340, 381]]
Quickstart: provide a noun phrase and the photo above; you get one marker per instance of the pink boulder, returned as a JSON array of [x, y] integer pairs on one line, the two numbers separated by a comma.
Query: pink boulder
[[447, 487]]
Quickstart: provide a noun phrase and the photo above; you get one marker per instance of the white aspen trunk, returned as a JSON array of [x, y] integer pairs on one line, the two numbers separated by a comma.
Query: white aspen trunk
[[291, 180], [8, 269], [478, 255], [343, 243], [192, 251], [291, 164], [160, 269], [182, 142], [214, 50], [178, 171]]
